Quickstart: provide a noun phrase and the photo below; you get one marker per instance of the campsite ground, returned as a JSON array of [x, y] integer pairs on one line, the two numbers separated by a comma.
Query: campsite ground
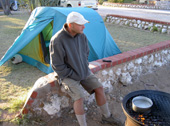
[[16, 80]]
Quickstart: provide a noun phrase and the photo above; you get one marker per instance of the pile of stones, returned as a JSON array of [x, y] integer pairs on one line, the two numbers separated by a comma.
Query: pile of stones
[[165, 5], [140, 24]]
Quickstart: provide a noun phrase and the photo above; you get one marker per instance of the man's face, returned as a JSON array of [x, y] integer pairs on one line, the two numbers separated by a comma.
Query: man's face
[[76, 28]]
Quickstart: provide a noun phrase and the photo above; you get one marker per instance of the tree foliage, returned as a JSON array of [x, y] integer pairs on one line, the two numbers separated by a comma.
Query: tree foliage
[[37, 3]]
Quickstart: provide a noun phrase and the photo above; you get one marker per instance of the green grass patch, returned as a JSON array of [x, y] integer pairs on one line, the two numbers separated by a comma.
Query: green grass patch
[[128, 38]]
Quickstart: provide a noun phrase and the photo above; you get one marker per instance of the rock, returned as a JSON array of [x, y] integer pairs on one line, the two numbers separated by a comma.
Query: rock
[[122, 23], [150, 25], [117, 22], [138, 61], [112, 21], [147, 23], [126, 78], [138, 21], [127, 22], [130, 24], [168, 32], [133, 21], [164, 30], [107, 20], [146, 27], [140, 26], [135, 25], [165, 26], [143, 22]]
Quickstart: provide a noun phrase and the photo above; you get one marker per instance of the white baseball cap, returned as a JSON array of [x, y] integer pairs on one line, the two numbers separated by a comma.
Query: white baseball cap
[[75, 17]]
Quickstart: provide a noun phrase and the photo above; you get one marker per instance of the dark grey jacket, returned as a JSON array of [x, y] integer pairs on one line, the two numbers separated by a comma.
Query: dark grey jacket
[[69, 55]]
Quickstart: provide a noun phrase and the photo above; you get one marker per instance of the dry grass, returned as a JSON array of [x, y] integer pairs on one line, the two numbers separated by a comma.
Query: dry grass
[[17, 80]]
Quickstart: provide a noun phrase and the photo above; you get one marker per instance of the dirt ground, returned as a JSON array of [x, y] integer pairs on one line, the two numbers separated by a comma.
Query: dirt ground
[[159, 79]]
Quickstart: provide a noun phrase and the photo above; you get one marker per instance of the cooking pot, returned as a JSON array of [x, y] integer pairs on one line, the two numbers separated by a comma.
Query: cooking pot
[[141, 104]]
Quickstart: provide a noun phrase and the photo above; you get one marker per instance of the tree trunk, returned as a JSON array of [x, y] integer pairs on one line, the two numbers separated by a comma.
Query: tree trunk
[[6, 7]]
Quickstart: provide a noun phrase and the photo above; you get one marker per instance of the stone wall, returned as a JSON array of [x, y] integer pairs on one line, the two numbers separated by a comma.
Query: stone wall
[[48, 98], [140, 23], [164, 5]]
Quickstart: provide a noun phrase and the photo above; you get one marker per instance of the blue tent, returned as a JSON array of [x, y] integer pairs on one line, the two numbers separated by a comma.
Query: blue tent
[[44, 22]]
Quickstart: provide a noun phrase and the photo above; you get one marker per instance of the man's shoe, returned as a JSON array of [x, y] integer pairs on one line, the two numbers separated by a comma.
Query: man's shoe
[[111, 120]]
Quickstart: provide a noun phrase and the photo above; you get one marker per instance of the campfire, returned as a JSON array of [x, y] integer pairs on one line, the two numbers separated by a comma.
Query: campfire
[[141, 118], [159, 115]]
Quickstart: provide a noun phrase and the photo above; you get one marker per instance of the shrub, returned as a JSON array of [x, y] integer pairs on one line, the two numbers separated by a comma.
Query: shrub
[[154, 29], [101, 2], [116, 1]]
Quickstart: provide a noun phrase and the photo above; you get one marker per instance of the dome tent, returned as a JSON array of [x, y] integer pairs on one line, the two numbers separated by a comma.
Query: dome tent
[[44, 22]]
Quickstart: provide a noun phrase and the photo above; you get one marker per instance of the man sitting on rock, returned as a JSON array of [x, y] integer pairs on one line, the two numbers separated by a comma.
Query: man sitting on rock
[[69, 58]]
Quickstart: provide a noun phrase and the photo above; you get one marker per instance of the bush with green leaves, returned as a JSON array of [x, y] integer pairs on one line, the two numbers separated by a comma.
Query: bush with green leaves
[[154, 28], [101, 2], [116, 1]]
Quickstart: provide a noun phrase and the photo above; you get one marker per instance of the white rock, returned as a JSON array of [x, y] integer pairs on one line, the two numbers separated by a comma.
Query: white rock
[[54, 106], [126, 78], [112, 21], [107, 86], [124, 68], [146, 27], [164, 30], [143, 22], [135, 25], [104, 72], [157, 63], [130, 24], [168, 32], [159, 25], [168, 57], [138, 21], [127, 22], [117, 22], [64, 102], [134, 21], [111, 73], [140, 26], [138, 61], [113, 18], [139, 70], [165, 26], [151, 59], [145, 58], [150, 25], [130, 66], [122, 23], [164, 52], [151, 28], [118, 72]]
